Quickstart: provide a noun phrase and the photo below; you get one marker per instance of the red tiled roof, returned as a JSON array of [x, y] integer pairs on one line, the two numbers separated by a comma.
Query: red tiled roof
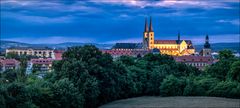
[[191, 58], [42, 61], [58, 51], [126, 52], [9, 62], [165, 42], [58, 54]]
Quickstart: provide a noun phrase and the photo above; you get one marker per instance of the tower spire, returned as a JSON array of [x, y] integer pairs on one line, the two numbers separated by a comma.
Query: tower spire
[[146, 26], [207, 45], [178, 35], [207, 38], [150, 27]]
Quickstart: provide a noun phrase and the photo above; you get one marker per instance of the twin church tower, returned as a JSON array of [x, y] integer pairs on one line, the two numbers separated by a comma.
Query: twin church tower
[[171, 47], [148, 35], [178, 47]]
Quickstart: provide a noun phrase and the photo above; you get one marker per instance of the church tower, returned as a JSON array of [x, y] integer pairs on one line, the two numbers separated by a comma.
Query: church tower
[[207, 48], [145, 35], [150, 36]]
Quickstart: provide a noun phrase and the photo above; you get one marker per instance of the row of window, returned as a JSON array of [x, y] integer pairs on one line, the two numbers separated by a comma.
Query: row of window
[[166, 47], [43, 61], [197, 60], [197, 64]]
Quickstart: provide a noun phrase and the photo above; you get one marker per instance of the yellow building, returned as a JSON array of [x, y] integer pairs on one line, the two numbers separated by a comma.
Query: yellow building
[[38, 52], [171, 47]]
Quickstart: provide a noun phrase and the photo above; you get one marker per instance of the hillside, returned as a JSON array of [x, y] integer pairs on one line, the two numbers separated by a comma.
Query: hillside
[[220, 46], [174, 102], [7, 44]]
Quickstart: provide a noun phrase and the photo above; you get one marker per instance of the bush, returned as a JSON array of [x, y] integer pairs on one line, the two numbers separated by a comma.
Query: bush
[[172, 86], [226, 89]]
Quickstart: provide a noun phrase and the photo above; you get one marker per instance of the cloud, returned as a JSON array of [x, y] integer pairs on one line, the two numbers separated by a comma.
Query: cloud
[[233, 22], [57, 6], [177, 4], [37, 19], [50, 40], [224, 38], [196, 39]]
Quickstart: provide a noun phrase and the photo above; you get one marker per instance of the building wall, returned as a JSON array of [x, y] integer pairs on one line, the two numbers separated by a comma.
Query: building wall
[[151, 40], [174, 49], [38, 53], [166, 46]]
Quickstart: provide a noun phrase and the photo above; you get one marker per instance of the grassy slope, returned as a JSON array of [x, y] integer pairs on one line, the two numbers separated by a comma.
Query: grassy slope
[[171, 102]]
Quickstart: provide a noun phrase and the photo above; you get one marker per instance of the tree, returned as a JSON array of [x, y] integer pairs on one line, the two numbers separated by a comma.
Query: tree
[[66, 95], [10, 75], [18, 96], [234, 73], [172, 86], [12, 55], [220, 69], [226, 89], [225, 54]]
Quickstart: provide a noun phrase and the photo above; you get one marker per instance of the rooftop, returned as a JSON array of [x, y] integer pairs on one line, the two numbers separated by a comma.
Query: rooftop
[[33, 48]]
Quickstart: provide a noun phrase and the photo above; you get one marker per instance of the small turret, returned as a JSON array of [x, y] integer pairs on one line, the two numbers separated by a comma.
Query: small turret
[[178, 36], [207, 45], [206, 51]]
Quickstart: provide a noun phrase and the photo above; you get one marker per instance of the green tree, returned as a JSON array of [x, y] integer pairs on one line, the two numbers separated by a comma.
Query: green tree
[[225, 54], [66, 95], [234, 73], [172, 86], [226, 89]]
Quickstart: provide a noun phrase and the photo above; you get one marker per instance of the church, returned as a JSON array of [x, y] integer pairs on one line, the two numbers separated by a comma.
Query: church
[[170, 47], [149, 44]]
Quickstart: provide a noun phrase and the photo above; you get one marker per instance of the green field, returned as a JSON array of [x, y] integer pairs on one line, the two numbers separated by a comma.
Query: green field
[[174, 102]]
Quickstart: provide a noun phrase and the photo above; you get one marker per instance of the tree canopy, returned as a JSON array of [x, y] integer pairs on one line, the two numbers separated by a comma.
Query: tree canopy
[[87, 78]]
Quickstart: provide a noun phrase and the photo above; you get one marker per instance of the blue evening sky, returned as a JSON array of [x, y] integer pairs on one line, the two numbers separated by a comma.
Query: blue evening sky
[[110, 21]]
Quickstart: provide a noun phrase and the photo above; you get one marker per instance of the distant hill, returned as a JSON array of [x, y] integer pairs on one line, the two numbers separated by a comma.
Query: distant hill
[[220, 46], [7, 44]]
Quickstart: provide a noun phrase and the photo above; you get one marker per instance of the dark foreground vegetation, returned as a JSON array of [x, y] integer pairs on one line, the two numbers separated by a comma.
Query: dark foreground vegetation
[[87, 78]]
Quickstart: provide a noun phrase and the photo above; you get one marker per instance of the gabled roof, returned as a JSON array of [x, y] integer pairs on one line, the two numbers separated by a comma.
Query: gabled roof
[[171, 41], [9, 62], [127, 46], [34, 48], [207, 59], [126, 52], [165, 41]]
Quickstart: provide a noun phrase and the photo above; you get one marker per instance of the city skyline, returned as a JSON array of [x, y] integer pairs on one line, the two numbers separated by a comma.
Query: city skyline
[[118, 21]]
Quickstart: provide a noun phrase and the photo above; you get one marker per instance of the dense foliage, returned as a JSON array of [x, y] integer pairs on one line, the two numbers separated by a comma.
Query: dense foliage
[[87, 78]]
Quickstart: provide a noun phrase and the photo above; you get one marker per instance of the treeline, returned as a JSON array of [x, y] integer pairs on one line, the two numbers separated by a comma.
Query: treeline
[[86, 78]]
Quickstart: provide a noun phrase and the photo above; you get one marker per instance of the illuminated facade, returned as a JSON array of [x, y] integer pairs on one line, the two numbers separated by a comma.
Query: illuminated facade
[[38, 52], [170, 47]]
